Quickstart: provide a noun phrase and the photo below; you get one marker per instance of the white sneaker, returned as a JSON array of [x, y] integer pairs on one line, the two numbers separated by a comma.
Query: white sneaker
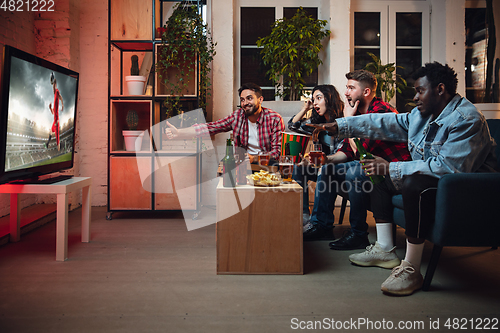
[[403, 281], [305, 218], [376, 256], [307, 226]]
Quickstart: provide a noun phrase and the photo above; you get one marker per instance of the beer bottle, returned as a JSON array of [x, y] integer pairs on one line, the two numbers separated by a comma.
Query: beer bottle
[[229, 166], [241, 162], [364, 155], [287, 148]]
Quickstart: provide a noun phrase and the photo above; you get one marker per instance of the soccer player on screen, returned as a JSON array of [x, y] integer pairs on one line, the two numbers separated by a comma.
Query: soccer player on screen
[[55, 111]]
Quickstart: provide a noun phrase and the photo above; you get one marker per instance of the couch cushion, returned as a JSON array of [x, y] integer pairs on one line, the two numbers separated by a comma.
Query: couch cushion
[[397, 201]]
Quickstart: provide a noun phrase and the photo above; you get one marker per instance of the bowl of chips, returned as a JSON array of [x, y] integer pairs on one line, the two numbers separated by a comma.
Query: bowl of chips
[[264, 178]]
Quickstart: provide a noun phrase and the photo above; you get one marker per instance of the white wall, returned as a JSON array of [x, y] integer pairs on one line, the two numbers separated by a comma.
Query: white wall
[[339, 60], [93, 97], [448, 36], [17, 30]]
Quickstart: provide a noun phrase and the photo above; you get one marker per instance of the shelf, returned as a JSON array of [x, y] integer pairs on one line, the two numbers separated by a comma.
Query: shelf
[[131, 180], [126, 191], [173, 75], [131, 97], [131, 19], [133, 45], [119, 109], [175, 182], [178, 147], [120, 68]]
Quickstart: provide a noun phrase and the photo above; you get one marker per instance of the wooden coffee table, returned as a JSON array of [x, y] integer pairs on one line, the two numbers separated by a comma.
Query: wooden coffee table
[[259, 229]]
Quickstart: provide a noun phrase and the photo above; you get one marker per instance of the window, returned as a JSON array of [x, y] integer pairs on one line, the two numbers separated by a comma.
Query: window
[[255, 20], [394, 32], [476, 41], [482, 53]]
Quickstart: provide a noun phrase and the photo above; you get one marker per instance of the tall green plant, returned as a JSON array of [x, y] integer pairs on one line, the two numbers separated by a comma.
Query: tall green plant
[[186, 36], [291, 51], [388, 81]]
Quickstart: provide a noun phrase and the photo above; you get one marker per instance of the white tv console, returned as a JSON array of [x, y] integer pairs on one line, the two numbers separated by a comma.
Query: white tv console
[[62, 189]]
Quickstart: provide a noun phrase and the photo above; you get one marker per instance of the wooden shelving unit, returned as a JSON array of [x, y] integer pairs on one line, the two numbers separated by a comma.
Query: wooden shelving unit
[[142, 180]]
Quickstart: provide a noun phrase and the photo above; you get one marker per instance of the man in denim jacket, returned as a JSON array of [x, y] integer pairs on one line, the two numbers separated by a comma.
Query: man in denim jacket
[[445, 134]]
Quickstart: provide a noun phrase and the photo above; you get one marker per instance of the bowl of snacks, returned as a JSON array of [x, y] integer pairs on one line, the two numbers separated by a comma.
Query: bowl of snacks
[[264, 178]]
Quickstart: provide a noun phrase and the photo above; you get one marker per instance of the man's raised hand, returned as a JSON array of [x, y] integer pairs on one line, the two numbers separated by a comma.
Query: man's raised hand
[[171, 132], [331, 128]]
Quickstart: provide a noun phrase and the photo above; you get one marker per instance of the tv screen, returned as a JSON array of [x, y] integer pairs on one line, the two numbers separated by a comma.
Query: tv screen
[[38, 116]]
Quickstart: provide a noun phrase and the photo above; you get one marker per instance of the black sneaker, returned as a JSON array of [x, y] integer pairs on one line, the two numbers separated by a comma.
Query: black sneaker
[[350, 241], [318, 233]]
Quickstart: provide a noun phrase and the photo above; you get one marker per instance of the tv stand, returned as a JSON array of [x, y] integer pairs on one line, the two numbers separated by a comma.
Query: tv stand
[[50, 180], [62, 189]]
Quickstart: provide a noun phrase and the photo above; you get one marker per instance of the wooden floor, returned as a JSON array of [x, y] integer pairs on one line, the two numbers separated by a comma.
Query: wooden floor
[[147, 273]]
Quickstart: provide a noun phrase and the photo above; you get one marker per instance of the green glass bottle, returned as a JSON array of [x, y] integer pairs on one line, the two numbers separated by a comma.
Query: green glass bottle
[[229, 166], [364, 155], [240, 155]]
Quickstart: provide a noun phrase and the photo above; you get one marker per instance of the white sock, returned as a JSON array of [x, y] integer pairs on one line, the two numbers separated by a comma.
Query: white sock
[[384, 236], [414, 254]]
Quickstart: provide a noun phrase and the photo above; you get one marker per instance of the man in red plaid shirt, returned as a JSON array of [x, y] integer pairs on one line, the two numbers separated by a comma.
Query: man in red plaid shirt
[[255, 128]]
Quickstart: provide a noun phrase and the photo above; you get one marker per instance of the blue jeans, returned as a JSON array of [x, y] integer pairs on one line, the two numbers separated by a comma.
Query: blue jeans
[[302, 174], [349, 178]]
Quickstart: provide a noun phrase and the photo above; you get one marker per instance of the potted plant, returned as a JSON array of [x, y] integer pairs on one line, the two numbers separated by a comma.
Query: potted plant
[[135, 82], [388, 82], [291, 51], [186, 43], [133, 137]]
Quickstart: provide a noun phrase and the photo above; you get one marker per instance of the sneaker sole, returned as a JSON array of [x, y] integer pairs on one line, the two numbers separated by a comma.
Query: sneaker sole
[[407, 292], [377, 263], [348, 248]]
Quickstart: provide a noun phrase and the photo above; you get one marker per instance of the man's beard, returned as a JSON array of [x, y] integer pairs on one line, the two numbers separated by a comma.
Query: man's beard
[[352, 102], [253, 109]]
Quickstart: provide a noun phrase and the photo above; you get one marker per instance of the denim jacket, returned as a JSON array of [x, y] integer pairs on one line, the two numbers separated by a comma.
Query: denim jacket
[[458, 140]]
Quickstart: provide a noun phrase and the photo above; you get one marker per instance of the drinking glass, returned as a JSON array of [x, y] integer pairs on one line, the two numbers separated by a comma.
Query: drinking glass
[[317, 155], [286, 167], [264, 158]]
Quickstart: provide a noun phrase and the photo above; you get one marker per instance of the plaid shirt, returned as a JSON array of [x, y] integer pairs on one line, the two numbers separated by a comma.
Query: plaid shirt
[[389, 151], [270, 126]]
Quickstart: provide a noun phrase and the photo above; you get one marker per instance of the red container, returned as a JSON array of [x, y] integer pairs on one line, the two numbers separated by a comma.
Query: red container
[[298, 144]]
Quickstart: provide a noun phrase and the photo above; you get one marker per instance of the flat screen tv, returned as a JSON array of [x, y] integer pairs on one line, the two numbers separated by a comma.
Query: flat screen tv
[[38, 116]]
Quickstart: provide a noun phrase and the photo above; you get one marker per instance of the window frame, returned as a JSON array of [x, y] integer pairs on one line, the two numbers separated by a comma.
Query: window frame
[[278, 5], [490, 110], [388, 10]]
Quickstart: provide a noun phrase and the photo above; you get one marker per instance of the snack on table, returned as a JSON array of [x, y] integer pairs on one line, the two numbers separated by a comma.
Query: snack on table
[[264, 178]]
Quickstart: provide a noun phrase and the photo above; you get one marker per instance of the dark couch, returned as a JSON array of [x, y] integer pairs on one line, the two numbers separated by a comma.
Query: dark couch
[[466, 210]]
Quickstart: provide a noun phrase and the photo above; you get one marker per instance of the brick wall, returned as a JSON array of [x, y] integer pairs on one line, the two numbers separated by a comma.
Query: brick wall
[[57, 34], [74, 36], [93, 101], [57, 40]]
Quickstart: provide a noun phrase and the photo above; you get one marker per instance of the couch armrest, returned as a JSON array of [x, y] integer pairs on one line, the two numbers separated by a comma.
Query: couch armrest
[[467, 210]]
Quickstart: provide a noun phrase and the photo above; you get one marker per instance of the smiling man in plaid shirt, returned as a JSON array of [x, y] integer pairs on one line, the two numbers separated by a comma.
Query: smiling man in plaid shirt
[[254, 127]]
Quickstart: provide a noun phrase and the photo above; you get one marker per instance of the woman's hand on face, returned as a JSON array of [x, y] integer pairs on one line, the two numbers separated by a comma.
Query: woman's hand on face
[[308, 105]]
